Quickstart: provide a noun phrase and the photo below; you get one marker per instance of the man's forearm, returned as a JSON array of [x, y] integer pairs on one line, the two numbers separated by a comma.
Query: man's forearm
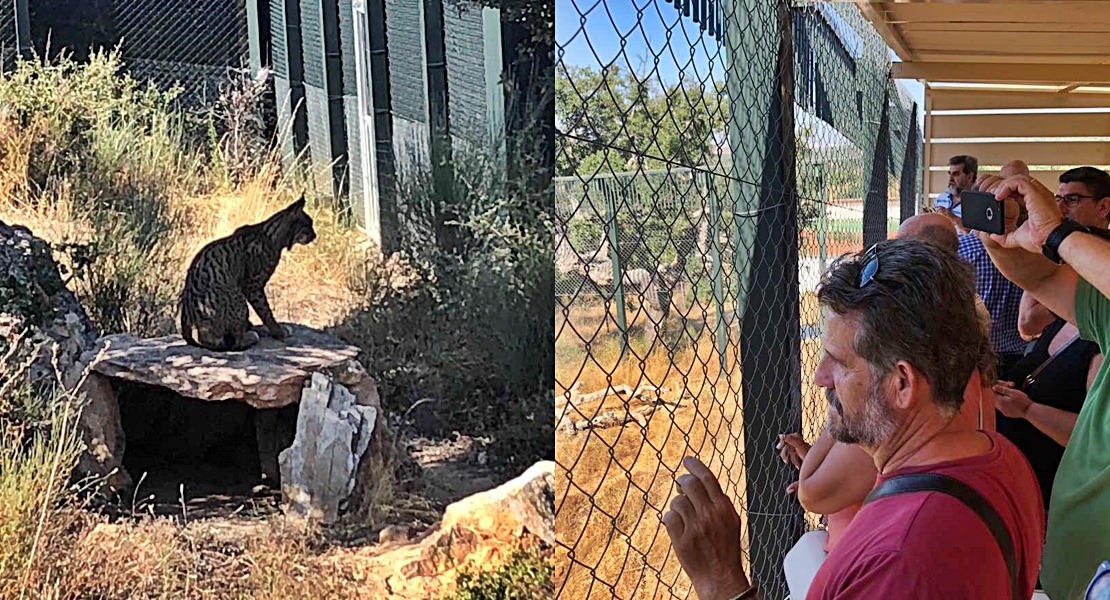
[[1025, 269], [1089, 255]]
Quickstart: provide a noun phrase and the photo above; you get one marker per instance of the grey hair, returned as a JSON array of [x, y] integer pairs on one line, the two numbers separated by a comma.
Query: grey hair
[[919, 307]]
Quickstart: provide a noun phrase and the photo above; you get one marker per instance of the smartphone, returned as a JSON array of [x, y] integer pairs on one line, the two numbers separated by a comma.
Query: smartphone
[[983, 212]]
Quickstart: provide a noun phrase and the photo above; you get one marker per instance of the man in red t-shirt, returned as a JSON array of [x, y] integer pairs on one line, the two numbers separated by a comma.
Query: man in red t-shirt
[[900, 342]]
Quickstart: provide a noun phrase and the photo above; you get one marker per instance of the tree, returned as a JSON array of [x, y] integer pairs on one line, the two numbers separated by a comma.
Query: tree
[[613, 120]]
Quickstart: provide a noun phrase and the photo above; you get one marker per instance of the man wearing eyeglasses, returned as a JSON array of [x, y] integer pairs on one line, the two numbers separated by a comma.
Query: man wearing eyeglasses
[[956, 512], [1083, 197], [1064, 266]]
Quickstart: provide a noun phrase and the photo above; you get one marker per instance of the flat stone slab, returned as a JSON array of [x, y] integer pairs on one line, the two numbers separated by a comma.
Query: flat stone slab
[[269, 375]]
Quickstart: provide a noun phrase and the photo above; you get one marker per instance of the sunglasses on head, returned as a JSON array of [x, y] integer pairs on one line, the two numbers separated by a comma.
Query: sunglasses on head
[[870, 268]]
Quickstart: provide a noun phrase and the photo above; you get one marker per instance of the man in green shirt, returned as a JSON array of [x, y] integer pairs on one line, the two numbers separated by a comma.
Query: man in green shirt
[[1067, 268]]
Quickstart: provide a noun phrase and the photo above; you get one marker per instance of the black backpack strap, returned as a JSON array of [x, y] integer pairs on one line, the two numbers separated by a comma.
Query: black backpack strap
[[933, 482]]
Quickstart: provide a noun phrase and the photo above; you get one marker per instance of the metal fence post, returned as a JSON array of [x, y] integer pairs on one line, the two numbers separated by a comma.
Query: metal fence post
[[333, 86], [614, 256], [255, 42], [443, 174], [771, 372], [23, 29], [822, 229], [295, 61], [875, 204], [822, 216], [908, 186], [383, 127], [718, 289]]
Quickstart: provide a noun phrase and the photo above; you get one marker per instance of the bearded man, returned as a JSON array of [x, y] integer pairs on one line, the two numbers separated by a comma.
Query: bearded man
[[956, 513]]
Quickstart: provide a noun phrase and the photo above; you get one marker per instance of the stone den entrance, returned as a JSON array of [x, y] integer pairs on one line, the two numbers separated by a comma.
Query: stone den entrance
[[222, 452], [207, 433]]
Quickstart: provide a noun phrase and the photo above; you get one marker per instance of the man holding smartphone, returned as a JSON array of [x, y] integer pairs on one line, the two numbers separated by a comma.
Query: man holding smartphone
[[1063, 265], [1083, 197]]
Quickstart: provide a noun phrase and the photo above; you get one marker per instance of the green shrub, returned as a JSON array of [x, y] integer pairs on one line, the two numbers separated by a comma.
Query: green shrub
[[469, 321], [525, 576]]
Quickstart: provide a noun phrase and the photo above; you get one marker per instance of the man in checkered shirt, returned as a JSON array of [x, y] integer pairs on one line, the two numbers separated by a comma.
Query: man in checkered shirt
[[1003, 300]]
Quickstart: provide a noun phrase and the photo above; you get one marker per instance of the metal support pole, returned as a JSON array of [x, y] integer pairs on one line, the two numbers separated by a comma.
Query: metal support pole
[[770, 333], [908, 186], [615, 258], [443, 174], [875, 204], [295, 60], [718, 288]]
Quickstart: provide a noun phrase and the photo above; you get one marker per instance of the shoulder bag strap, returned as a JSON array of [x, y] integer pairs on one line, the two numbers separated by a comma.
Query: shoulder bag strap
[[933, 482]]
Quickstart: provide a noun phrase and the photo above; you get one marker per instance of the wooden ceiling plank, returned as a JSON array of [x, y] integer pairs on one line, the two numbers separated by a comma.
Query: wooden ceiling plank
[[986, 14], [915, 27], [1012, 40], [1034, 153], [1001, 58], [1001, 73], [962, 100], [1024, 125]]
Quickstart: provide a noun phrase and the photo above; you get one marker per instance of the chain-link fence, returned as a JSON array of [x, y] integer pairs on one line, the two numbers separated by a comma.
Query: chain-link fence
[[8, 47], [712, 158], [175, 42], [192, 44]]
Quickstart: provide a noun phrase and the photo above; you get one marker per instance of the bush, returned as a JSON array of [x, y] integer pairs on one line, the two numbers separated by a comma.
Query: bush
[[39, 447], [470, 322], [525, 576], [86, 144]]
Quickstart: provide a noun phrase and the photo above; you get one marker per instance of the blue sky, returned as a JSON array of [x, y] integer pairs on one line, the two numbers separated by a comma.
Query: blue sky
[[634, 34]]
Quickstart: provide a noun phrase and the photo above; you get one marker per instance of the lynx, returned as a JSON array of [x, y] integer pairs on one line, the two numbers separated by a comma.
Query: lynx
[[231, 272]]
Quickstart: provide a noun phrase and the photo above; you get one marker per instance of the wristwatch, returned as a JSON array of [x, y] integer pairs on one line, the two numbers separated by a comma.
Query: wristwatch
[[1051, 247]]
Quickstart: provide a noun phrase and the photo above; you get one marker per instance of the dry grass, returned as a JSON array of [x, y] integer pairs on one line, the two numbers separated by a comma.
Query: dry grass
[[613, 485], [313, 284], [122, 186], [160, 558]]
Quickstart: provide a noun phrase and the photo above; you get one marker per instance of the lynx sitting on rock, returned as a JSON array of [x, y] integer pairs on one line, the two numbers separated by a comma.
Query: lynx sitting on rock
[[230, 272]]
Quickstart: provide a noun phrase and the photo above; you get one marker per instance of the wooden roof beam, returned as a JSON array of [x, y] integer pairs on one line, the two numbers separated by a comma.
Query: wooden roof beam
[[876, 13], [1061, 74]]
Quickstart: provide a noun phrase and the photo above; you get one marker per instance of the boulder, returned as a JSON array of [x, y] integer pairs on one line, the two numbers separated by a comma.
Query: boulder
[[333, 433], [38, 310], [42, 325], [102, 432], [476, 533], [525, 504]]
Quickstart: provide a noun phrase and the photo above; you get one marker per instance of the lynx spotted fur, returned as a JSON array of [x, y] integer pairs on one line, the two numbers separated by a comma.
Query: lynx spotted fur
[[231, 272]]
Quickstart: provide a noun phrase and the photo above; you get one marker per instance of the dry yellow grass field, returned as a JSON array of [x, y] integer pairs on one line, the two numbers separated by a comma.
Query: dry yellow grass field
[[614, 484]]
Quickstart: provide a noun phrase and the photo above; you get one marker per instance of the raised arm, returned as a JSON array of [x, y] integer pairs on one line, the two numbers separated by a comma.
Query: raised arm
[[1017, 254], [1033, 317], [1088, 255]]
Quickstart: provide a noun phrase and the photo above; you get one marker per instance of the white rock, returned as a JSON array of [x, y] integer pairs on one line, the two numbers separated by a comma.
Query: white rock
[[333, 432]]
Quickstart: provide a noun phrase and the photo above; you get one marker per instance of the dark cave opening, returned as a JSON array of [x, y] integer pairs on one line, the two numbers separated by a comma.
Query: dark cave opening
[[211, 456]]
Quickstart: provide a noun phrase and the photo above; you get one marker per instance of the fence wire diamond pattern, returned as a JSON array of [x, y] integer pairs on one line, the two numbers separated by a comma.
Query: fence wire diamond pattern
[[712, 157]]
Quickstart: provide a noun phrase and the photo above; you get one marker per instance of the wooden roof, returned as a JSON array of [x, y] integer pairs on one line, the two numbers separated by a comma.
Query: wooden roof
[[988, 41]]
